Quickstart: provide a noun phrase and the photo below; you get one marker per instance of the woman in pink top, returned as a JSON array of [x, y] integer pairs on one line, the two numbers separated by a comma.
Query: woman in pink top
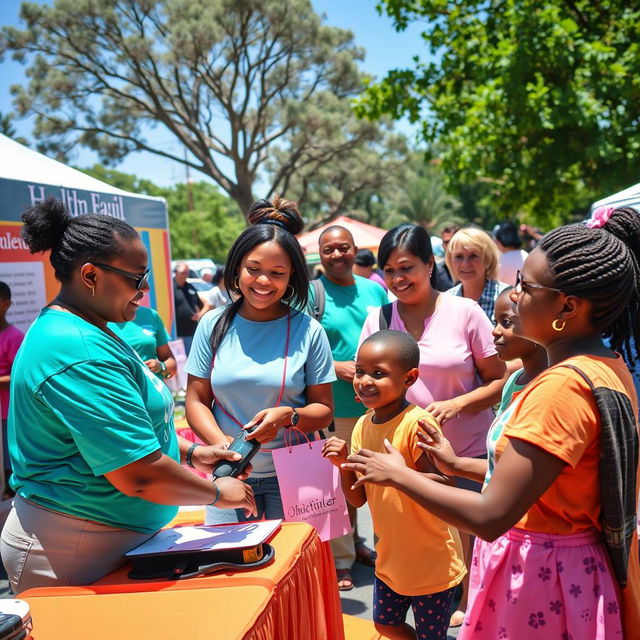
[[461, 377]]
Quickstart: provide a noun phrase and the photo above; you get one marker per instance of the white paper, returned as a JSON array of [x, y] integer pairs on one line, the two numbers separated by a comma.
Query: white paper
[[26, 280], [207, 538]]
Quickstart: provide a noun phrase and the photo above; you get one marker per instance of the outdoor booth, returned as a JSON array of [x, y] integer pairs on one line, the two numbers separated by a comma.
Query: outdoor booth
[[365, 236], [27, 177]]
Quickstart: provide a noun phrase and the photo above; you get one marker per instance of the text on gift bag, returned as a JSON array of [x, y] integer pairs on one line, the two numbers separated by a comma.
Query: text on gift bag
[[310, 488]]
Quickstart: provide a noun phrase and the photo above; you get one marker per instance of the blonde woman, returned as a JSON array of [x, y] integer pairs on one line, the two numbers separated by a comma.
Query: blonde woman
[[472, 258]]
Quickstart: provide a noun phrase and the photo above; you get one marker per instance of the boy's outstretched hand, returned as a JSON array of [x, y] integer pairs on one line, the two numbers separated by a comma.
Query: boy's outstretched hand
[[335, 450], [375, 467], [437, 447]]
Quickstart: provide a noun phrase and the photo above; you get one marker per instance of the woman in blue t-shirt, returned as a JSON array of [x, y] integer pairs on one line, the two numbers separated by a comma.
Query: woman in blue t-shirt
[[96, 460], [260, 362]]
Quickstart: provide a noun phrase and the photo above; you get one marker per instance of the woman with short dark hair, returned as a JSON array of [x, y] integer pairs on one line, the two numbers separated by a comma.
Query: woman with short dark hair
[[512, 256], [461, 377]]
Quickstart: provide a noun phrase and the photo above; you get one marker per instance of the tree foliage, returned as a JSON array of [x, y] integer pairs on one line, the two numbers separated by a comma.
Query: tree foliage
[[236, 83], [373, 169], [209, 228], [125, 181], [541, 99], [7, 129], [203, 223], [415, 191], [422, 196]]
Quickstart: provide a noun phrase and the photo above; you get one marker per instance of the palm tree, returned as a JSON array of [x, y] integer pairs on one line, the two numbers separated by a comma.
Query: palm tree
[[423, 198]]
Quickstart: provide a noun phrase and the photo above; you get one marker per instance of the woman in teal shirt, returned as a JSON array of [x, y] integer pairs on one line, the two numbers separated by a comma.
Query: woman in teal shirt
[[91, 437], [147, 336]]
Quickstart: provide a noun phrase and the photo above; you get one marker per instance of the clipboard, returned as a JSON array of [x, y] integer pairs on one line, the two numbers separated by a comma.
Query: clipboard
[[188, 552]]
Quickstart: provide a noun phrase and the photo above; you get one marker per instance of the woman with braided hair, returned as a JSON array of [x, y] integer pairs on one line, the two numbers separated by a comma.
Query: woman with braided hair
[[557, 548], [91, 436], [261, 363]]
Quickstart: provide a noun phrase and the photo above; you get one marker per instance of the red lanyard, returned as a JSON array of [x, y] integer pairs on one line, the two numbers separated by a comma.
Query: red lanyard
[[284, 376]]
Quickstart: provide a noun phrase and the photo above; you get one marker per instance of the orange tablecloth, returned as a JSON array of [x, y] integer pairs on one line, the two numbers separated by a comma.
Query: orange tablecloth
[[199, 614], [304, 602]]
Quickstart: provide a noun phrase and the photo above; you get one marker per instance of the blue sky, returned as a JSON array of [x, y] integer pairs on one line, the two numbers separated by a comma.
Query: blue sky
[[385, 49]]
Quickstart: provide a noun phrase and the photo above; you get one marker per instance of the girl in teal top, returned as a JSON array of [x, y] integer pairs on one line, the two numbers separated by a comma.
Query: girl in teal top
[[95, 456], [510, 347], [147, 336]]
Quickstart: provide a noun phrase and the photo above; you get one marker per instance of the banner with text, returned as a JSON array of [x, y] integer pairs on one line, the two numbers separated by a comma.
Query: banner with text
[[30, 276], [16, 196]]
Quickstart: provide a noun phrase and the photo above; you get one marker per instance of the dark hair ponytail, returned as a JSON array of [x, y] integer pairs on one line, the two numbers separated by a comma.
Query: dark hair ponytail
[[268, 221], [602, 266], [72, 241], [410, 237]]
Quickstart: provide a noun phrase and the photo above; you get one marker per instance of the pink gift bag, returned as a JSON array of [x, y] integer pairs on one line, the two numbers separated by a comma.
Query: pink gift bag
[[310, 488]]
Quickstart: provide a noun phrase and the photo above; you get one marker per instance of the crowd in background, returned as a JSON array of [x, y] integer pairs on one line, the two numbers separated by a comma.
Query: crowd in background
[[456, 376]]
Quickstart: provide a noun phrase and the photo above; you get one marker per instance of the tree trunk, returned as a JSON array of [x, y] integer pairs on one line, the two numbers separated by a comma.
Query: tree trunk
[[243, 197]]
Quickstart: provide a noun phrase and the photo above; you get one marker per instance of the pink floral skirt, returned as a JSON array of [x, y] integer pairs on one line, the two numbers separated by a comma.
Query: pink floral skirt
[[542, 586]]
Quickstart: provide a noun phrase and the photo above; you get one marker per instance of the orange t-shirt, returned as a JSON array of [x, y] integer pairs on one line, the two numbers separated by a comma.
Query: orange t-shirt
[[418, 554], [558, 413]]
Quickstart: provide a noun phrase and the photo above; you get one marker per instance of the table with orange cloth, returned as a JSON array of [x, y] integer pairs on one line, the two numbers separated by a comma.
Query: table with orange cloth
[[295, 596]]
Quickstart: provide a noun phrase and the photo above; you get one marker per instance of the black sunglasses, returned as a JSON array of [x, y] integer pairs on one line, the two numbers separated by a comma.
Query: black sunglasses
[[141, 279], [520, 284]]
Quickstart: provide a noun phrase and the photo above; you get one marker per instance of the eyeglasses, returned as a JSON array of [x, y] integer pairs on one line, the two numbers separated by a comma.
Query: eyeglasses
[[142, 280], [523, 284]]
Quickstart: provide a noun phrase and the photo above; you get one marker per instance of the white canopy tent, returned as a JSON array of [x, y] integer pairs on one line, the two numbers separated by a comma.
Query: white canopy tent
[[28, 177], [627, 198]]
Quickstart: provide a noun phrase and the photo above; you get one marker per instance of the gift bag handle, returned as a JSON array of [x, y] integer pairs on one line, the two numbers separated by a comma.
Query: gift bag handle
[[288, 438]]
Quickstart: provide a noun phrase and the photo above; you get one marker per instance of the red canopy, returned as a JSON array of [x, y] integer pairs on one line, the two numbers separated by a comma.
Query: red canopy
[[365, 236]]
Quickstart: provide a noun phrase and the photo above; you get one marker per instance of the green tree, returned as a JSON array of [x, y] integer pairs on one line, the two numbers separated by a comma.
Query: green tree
[[125, 181], [542, 99], [344, 186], [234, 82], [422, 197], [7, 129], [209, 228]]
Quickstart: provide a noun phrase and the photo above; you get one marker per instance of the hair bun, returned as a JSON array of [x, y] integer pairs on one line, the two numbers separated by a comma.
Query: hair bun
[[280, 212], [45, 224], [624, 224]]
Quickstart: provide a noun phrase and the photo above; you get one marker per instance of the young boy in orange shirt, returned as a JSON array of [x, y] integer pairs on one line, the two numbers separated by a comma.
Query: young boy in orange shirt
[[420, 559]]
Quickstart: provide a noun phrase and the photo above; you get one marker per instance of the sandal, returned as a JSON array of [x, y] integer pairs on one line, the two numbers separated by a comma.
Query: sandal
[[365, 556], [457, 618], [345, 581]]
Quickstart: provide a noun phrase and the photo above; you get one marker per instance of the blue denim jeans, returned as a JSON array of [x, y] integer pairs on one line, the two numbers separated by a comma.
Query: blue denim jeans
[[267, 494]]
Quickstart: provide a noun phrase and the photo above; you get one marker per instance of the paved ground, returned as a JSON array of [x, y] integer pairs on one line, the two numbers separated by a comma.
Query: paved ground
[[357, 602]]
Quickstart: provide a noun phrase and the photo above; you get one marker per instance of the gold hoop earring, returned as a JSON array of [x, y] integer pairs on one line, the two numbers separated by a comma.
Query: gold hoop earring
[[93, 292], [555, 324], [290, 296], [236, 283]]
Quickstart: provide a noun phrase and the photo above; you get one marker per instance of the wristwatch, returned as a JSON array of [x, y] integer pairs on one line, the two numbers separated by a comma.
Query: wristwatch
[[163, 369], [295, 417]]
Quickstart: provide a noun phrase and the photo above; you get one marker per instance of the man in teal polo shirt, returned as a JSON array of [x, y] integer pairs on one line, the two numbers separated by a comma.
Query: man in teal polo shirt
[[347, 301]]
